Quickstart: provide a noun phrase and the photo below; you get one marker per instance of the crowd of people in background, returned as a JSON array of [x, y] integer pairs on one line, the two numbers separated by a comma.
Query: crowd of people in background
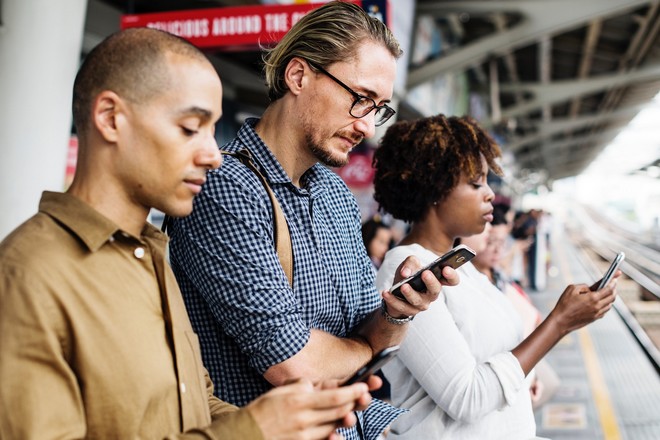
[[276, 293], [518, 253]]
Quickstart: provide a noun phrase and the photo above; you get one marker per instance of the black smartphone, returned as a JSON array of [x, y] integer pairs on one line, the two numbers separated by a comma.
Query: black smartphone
[[455, 258], [373, 365], [611, 270]]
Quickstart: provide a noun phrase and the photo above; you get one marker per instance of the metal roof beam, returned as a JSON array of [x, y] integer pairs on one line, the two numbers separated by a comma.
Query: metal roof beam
[[560, 91], [543, 17], [587, 57], [554, 147], [569, 124]]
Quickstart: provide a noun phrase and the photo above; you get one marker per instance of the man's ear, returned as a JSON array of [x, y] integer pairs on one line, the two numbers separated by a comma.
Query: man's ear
[[107, 107], [294, 74]]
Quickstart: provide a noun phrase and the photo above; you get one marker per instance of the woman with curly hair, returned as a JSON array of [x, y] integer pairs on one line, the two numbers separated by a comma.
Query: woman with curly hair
[[462, 367]]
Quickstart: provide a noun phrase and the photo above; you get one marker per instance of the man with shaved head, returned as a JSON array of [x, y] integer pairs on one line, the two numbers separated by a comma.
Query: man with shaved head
[[95, 341]]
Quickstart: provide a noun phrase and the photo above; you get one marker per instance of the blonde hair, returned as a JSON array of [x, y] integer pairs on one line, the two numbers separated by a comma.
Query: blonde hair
[[324, 36]]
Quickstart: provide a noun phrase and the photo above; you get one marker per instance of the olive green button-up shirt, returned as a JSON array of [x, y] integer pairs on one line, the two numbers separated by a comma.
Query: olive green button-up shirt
[[95, 341]]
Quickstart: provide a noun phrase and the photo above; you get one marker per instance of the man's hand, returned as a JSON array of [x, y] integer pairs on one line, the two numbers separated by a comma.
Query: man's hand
[[373, 382], [417, 301], [301, 411]]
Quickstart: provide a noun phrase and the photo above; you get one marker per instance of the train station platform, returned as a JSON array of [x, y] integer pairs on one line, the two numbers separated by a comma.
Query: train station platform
[[609, 388]]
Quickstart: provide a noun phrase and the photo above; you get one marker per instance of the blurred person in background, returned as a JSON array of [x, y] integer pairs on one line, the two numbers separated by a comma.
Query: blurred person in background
[[513, 258], [377, 238]]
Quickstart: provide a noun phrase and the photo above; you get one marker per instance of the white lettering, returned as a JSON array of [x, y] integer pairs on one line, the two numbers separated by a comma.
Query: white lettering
[[296, 16], [227, 26], [277, 22], [198, 28]]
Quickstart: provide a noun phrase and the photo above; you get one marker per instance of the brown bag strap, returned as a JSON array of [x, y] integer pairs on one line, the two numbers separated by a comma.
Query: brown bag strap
[[283, 245]]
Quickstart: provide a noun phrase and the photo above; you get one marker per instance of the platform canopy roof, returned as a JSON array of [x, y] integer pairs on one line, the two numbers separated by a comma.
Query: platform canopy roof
[[559, 78]]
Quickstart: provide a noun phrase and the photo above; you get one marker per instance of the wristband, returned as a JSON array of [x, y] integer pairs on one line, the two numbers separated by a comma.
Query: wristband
[[391, 319]]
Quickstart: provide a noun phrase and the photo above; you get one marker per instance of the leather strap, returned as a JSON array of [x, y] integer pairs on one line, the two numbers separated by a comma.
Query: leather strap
[[283, 245]]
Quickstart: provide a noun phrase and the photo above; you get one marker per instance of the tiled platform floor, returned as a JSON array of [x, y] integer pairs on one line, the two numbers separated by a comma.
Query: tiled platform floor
[[608, 389]]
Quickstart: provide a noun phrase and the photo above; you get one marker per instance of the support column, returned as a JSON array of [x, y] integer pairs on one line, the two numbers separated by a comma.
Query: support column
[[40, 43]]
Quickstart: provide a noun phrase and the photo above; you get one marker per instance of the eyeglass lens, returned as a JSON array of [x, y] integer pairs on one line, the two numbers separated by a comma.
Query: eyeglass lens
[[361, 108], [362, 104]]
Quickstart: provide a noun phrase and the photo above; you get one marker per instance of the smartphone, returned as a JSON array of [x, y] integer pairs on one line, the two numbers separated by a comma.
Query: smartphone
[[612, 270], [374, 365], [455, 258]]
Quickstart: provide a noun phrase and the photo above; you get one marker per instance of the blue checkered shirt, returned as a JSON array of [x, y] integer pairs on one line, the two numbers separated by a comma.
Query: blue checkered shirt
[[240, 302]]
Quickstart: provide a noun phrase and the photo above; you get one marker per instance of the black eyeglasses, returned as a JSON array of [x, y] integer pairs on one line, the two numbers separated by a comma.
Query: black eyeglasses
[[362, 105]]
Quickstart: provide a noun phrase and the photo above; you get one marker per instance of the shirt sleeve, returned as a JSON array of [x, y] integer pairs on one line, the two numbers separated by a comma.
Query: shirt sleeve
[[444, 366], [236, 425], [225, 249], [33, 352], [439, 358]]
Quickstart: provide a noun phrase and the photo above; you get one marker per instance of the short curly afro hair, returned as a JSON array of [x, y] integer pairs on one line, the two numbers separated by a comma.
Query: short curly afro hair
[[419, 162]]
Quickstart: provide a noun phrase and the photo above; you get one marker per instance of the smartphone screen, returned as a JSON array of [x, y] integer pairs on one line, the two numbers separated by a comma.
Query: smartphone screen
[[373, 365], [455, 258], [611, 270]]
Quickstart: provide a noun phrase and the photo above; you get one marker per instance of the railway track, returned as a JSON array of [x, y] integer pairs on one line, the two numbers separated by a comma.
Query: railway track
[[639, 288]]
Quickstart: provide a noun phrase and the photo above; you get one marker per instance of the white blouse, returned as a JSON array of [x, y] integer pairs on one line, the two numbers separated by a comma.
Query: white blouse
[[455, 371]]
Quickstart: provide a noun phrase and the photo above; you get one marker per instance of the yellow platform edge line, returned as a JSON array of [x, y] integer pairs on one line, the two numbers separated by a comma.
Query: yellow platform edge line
[[599, 391], [602, 400]]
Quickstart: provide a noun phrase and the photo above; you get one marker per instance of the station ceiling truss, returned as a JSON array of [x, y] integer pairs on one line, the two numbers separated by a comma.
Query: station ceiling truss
[[561, 77]]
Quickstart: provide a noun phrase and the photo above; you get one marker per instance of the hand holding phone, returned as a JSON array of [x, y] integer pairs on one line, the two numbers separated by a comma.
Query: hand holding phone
[[373, 365], [455, 258], [611, 270]]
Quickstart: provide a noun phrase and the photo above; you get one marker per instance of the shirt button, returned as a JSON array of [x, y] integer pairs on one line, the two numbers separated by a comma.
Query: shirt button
[[138, 252], [182, 386]]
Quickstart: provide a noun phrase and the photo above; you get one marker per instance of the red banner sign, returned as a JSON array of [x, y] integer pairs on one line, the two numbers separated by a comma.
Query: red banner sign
[[236, 27], [71, 160], [358, 173]]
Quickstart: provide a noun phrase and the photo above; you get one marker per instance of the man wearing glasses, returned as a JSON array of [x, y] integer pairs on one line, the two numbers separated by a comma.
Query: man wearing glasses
[[329, 82]]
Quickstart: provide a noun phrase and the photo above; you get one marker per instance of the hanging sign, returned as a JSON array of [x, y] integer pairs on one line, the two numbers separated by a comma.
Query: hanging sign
[[240, 27]]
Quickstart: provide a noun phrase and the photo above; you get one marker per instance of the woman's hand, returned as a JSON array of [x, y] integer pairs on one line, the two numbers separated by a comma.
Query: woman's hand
[[417, 301], [580, 305]]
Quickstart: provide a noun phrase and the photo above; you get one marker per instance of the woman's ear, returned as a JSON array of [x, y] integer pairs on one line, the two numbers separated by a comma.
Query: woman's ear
[[107, 106], [294, 74]]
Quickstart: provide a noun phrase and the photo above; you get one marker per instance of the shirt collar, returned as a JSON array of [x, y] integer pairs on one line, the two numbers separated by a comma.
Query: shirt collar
[[261, 153], [92, 227]]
